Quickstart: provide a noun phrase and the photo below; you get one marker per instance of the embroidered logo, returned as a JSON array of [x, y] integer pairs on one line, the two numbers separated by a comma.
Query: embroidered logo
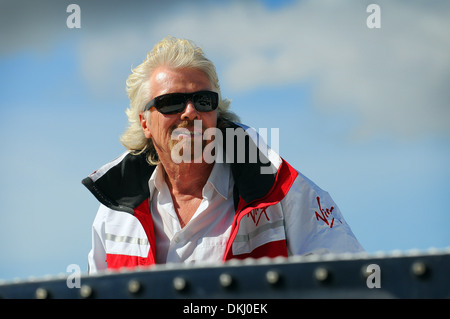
[[257, 213], [325, 214]]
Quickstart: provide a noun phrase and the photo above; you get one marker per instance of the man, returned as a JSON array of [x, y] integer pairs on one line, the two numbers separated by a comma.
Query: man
[[165, 201]]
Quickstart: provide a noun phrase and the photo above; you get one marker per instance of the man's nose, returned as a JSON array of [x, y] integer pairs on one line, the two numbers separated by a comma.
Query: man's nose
[[190, 113]]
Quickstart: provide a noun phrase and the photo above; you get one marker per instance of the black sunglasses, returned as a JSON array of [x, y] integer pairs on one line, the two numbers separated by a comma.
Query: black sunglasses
[[172, 103]]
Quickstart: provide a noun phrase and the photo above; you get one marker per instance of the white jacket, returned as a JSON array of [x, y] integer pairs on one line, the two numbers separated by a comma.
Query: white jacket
[[278, 214]]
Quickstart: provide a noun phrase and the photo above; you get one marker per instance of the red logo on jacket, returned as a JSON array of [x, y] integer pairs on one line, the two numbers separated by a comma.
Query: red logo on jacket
[[325, 214], [257, 213]]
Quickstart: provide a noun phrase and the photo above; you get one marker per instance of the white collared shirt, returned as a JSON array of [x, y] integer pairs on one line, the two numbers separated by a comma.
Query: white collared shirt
[[205, 237]]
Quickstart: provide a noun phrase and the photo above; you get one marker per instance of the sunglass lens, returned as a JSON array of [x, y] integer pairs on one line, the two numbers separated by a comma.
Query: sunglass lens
[[205, 102], [171, 104]]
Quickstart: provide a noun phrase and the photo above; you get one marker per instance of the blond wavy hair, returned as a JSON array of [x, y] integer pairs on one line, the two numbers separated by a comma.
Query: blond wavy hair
[[174, 53]]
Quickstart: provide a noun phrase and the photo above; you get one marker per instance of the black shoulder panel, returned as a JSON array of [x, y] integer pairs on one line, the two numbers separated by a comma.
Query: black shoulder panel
[[247, 164], [124, 186]]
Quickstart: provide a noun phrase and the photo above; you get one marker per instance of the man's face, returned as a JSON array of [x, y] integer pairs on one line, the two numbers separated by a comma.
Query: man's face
[[166, 80]]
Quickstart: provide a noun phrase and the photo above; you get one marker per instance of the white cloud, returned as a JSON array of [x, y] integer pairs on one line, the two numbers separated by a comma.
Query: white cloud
[[394, 78]]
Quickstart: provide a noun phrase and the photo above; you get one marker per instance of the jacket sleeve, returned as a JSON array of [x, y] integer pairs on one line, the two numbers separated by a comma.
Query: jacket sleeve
[[97, 255], [314, 223]]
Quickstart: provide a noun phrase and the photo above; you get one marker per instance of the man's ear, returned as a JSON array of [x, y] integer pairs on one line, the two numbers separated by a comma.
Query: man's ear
[[145, 125]]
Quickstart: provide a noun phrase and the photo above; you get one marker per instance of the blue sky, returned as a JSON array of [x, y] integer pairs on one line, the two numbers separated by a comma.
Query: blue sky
[[362, 112]]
